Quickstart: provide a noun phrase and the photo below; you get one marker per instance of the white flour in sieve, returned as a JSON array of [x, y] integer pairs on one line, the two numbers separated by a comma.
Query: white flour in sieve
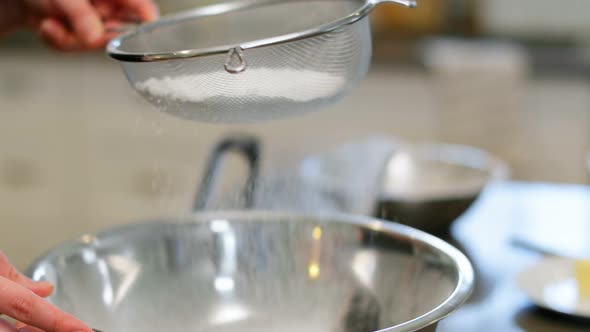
[[294, 85]]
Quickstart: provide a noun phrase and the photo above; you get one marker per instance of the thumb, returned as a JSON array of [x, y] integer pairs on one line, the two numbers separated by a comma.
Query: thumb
[[6, 327]]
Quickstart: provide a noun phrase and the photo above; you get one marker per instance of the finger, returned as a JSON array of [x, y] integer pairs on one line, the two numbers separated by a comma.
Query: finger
[[114, 25], [57, 36], [104, 8], [8, 271], [114, 29], [145, 9], [23, 305], [110, 11], [84, 20], [29, 329], [6, 326], [22, 327]]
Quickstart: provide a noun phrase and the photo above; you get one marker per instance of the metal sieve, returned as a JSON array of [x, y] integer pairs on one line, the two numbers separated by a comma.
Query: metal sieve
[[249, 60]]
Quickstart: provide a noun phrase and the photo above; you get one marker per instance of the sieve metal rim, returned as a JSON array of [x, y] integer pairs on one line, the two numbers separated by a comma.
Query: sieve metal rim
[[115, 52]]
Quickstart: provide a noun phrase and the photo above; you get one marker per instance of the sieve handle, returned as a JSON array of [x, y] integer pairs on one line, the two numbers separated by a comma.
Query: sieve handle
[[407, 3], [246, 145]]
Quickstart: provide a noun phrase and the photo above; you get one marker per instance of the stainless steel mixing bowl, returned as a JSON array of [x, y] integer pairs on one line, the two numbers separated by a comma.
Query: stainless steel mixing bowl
[[258, 271], [430, 185]]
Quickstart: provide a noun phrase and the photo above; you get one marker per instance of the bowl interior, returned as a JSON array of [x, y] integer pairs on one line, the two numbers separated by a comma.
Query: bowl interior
[[438, 171], [234, 23], [251, 273], [428, 186]]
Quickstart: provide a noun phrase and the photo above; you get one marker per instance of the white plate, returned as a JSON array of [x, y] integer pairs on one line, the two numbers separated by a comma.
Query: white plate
[[552, 285]]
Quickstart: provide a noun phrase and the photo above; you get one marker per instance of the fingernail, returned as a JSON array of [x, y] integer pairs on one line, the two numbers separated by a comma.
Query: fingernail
[[157, 12], [93, 31], [95, 34], [44, 284]]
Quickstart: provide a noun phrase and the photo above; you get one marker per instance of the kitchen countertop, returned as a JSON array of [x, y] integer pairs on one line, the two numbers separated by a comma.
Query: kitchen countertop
[[485, 233]]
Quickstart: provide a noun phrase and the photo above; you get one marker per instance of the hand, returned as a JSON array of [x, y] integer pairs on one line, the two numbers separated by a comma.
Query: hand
[[23, 300], [80, 25]]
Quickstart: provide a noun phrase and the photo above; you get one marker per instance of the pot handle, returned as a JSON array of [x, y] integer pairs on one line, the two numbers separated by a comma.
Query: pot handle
[[249, 147]]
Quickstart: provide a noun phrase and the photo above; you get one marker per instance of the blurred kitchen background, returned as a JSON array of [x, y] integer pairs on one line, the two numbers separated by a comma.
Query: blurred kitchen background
[[79, 147]]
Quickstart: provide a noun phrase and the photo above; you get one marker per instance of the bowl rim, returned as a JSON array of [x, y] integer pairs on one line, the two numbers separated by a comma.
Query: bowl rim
[[115, 51], [496, 169], [460, 294], [115, 47]]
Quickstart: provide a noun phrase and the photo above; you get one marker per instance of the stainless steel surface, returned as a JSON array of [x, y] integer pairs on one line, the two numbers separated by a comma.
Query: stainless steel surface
[[246, 61], [314, 18], [258, 271], [235, 55], [428, 186]]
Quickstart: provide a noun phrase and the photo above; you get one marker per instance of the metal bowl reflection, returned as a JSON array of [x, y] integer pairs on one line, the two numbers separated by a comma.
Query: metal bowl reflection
[[428, 186], [258, 271]]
